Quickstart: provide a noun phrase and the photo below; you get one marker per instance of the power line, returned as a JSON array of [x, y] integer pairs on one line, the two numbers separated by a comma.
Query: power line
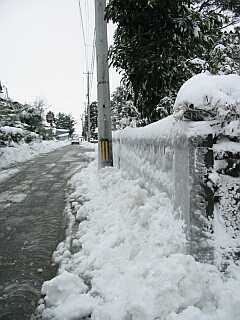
[[87, 18], [83, 32], [89, 53]]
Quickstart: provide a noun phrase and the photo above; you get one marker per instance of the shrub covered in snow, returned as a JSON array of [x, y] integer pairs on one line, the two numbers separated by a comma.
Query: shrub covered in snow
[[13, 134], [209, 95]]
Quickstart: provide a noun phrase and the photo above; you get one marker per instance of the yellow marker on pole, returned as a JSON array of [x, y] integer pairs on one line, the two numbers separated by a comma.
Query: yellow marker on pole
[[102, 150], [105, 149]]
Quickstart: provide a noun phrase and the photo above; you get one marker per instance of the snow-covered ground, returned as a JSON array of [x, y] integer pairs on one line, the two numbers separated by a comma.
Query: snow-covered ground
[[6, 174], [22, 152], [126, 260]]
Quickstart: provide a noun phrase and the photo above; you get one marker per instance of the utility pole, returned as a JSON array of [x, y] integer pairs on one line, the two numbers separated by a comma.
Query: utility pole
[[105, 156], [88, 106], [82, 125]]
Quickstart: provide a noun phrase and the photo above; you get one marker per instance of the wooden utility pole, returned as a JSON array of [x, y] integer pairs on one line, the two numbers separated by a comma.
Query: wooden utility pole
[[105, 156]]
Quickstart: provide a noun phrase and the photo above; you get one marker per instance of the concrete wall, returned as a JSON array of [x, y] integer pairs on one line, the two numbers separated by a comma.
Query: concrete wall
[[176, 161], [227, 198], [197, 164]]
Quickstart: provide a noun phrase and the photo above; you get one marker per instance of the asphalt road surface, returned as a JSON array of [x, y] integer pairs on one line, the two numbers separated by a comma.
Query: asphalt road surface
[[32, 223]]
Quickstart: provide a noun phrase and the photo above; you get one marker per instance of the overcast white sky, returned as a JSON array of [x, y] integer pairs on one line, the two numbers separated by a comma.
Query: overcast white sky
[[42, 52]]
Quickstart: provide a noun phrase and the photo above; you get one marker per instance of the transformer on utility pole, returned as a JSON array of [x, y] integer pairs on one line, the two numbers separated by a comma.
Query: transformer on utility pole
[[105, 156]]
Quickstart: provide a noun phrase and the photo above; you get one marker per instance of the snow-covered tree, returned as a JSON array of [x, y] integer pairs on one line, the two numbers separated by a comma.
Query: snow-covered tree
[[123, 111], [65, 121], [225, 56], [220, 5], [93, 122], [93, 119], [152, 44]]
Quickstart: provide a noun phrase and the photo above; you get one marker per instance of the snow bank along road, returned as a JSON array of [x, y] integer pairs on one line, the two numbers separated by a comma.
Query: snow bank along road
[[124, 258], [32, 203]]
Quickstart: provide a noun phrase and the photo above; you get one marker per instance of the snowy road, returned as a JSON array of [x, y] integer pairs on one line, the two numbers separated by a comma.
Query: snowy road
[[32, 223]]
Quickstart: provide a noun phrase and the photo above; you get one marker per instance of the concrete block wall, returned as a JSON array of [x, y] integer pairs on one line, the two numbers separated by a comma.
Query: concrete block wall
[[176, 162], [227, 197]]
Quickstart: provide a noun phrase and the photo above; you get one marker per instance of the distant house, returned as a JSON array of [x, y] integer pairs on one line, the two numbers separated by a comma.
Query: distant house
[[62, 134]]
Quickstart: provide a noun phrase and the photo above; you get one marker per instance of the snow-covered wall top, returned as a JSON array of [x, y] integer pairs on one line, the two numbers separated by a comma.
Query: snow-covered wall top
[[208, 92], [168, 129]]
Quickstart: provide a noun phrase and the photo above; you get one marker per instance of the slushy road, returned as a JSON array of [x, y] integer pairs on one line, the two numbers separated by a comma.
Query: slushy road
[[32, 223]]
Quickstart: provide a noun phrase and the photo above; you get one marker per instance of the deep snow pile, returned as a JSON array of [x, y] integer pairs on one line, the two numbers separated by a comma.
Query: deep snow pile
[[22, 152], [126, 260], [214, 93]]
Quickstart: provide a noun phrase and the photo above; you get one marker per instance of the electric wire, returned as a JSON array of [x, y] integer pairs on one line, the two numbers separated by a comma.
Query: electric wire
[[84, 17], [83, 32]]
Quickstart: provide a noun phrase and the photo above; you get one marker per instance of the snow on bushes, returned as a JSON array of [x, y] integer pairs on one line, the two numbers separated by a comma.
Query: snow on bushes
[[13, 134], [216, 95]]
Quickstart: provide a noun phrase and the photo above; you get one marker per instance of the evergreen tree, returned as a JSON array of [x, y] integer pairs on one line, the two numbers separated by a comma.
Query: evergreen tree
[[93, 119], [65, 121], [225, 57], [153, 43], [123, 111], [220, 5], [33, 116]]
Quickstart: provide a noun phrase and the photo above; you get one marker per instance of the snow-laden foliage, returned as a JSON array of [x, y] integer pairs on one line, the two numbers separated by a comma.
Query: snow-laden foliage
[[13, 134], [225, 56], [211, 95], [124, 113], [154, 41], [227, 5], [65, 121], [93, 122], [158, 45], [30, 118]]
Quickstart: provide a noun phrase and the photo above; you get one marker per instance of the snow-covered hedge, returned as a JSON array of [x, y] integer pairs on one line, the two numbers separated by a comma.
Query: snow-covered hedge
[[213, 95], [13, 134]]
